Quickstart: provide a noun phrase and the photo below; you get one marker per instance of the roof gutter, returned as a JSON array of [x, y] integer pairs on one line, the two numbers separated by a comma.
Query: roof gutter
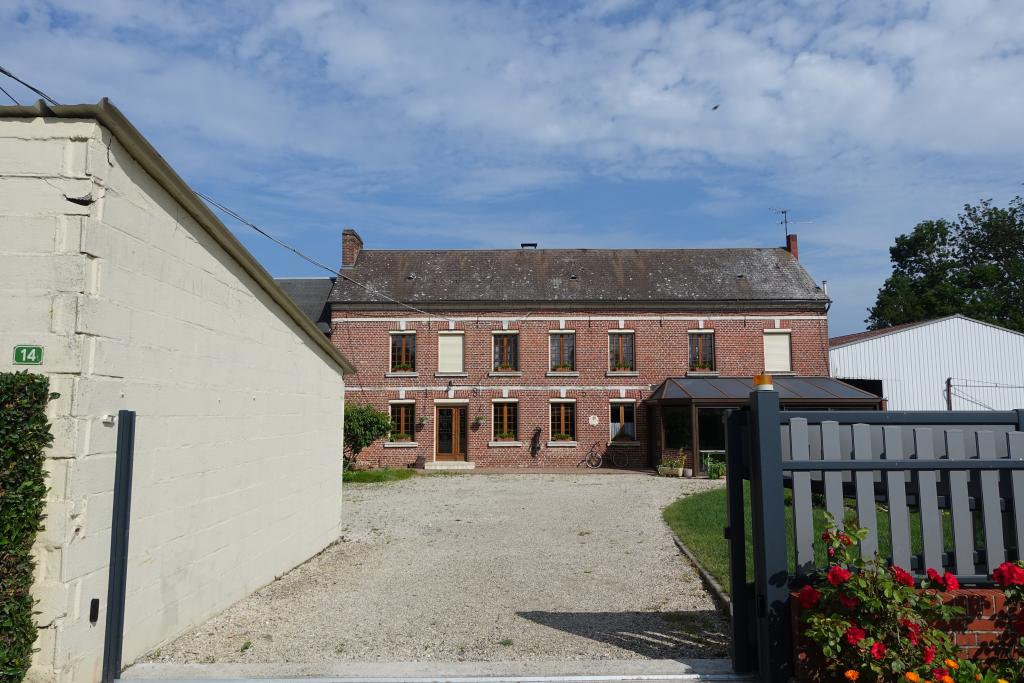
[[153, 163]]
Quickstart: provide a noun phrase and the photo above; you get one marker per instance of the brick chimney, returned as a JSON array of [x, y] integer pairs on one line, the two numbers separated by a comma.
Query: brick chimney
[[351, 243], [791, 246]]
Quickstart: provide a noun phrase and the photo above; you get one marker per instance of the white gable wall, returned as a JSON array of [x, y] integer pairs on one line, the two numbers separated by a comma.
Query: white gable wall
[[239, 430], [914, 363]]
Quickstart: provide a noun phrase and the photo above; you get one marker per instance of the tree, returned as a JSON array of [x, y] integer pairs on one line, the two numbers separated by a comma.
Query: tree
[[364, 424], [973, 266]]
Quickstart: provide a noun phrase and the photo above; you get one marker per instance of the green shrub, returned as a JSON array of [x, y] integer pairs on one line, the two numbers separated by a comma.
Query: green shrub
[[364, 424], [24, 434]]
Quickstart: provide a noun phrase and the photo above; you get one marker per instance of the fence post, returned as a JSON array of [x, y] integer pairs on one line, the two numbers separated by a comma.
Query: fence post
[[768, 524], [113, 641], [744, 649]]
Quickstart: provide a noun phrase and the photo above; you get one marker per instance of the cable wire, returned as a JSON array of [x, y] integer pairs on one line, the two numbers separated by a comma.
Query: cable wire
[[37, 91], [238, 217], [10, 95]]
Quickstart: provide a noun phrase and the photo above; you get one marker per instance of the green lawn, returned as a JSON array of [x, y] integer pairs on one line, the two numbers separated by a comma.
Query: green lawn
[[699, 519], [375, 476]]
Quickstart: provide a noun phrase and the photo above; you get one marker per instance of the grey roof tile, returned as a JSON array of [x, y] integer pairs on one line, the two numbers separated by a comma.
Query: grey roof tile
[[634, 277], [310, 295]]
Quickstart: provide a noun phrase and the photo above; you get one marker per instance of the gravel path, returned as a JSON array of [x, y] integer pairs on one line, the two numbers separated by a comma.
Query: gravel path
[[504, 567]]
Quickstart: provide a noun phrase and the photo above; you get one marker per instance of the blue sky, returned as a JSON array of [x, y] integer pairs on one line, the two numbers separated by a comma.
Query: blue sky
[[461, 124]]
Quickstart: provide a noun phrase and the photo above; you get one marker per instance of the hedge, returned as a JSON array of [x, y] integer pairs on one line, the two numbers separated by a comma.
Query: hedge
[[24, 434]]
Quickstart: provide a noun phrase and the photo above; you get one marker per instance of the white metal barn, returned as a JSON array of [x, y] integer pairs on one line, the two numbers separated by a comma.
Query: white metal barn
[[952, 363]]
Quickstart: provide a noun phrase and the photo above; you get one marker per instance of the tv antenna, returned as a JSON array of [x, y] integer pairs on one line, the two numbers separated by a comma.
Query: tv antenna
[[785, 222]]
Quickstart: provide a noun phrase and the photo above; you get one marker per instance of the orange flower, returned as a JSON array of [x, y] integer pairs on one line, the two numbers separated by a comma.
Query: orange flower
[[947, 679], [913, 677], [951, 663], [851, 674]]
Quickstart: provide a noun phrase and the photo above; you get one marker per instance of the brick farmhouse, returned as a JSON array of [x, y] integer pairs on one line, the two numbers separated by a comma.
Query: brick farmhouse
[[536, 357]]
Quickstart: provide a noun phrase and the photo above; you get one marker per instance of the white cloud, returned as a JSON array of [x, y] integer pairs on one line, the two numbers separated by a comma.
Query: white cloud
[[873, 115]]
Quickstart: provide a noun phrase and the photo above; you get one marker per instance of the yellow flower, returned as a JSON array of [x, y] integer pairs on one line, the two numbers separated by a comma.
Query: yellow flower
[[851, 674], [1002, 680], [951, 663], [913, 677]]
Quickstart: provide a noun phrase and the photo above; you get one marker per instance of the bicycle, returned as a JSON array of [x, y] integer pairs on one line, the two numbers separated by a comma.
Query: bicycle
[[595, 459]]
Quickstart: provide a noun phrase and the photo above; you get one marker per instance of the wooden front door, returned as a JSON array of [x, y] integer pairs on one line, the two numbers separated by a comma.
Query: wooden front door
[[451, 433]]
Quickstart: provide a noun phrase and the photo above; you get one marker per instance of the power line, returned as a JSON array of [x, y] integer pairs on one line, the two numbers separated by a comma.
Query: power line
[[238, 217], [9, 95], [234, 214], [34, 89]]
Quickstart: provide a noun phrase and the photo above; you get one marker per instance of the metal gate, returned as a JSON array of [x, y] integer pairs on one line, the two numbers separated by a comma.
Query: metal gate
[[969, 463]]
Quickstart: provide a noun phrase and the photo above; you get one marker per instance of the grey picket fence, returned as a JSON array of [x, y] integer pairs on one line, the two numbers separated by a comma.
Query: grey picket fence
[[920, 468]]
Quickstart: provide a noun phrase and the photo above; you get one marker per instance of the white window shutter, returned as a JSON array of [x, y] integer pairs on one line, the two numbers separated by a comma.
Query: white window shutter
[[777, 353], [449, 353]]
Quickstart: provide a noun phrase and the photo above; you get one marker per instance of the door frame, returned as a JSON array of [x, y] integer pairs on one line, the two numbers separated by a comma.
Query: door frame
[[443, 404]]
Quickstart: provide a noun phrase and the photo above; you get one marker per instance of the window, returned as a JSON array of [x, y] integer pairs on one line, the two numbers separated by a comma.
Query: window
[[506, 352], [620, 352], [563, 421], [403, 417], [702, 351], [678, 424], [563, 351], [623, 421], [449, 352], [506, 421], [403, 352], [777, 351]]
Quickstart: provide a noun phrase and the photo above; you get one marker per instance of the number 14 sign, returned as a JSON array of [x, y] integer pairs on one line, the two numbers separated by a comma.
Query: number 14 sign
[[28, 355]]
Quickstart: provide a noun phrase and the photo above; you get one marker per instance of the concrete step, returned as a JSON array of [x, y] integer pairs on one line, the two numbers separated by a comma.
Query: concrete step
[[446, 466], [593, 671]]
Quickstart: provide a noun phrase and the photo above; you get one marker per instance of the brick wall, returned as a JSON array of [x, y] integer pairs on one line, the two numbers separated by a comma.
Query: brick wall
[[661, 351]]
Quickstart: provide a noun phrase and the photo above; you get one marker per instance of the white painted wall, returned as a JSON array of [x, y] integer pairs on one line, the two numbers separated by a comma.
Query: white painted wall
[[239, 430], [914, 363]]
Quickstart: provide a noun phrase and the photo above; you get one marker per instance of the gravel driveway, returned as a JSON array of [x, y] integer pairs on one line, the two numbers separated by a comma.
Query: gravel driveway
[[501, 567]]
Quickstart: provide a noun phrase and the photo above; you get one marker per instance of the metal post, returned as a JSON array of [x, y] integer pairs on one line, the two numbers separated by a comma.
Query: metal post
[[949, 393], [768, 525], [113, 640], [744, 647]]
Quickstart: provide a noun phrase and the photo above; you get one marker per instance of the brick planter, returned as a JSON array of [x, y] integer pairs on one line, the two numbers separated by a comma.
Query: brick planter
[[983, 631]]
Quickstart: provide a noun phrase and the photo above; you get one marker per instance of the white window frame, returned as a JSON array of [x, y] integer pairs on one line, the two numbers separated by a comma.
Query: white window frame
[[620, 401]]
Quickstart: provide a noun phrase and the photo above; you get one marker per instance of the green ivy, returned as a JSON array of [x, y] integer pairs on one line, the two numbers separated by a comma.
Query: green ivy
[[24, 434]]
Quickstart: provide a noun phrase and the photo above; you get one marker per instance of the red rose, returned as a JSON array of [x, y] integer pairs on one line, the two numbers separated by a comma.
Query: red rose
[[939, 673], [913, 631], [831, 551], [1009, 574], [878, 650], [848, 601], [845, 540], [826, 536], [902, 576], [951, 582], [838, 575], [928, 654], [808, 597], [934, 576], [855, 634]]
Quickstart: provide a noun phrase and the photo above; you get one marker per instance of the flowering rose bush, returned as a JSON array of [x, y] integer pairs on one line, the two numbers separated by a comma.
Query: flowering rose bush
[[868, 622]]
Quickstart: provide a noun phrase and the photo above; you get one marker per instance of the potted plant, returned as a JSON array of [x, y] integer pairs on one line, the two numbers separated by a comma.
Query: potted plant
[[420, 421], [505, 436], [401, 367], [701, 366], [714, 466], [477, 421], [562, 367], [672, 467], [684, 457], [622, 367], [400, 437], [561, 437], [504, 367]]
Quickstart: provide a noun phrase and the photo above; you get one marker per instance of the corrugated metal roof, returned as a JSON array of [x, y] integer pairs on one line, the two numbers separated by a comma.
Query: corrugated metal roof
[[623, 277], [824, 390]]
